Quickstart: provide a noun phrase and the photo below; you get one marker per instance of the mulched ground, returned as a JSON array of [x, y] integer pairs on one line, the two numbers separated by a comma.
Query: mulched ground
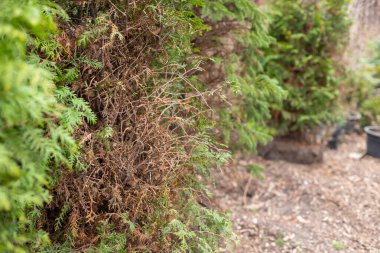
[[328, 207]]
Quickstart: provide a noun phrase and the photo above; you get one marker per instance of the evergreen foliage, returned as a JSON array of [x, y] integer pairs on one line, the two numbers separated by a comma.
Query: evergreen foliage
[[249, 92], [308, 34], [35, 137]]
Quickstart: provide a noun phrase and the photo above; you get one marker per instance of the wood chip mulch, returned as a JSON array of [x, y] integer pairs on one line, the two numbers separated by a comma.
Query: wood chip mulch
[[320, 208]]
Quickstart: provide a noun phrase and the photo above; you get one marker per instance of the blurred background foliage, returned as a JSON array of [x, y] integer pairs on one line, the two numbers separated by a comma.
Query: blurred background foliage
[[308, 36]]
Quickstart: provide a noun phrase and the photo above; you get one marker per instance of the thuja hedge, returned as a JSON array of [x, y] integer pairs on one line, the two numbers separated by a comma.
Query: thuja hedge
[[123, 175]]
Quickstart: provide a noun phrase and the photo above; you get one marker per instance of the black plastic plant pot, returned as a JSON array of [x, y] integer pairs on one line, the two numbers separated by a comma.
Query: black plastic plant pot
[[373, 140]]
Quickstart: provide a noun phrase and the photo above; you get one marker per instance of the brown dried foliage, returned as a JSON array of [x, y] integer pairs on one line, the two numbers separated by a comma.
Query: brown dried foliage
[[143, 162]]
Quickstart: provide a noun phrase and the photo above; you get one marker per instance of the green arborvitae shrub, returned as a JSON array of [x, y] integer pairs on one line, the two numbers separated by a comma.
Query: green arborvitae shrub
[[246, 91], [308, 35], [35, 136]]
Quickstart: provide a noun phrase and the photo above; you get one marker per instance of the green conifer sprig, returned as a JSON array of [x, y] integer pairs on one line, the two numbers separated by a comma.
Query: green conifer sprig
[[32, 141]]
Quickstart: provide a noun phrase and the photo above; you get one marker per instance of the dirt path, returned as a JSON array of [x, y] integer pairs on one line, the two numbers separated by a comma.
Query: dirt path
[[331, 207]]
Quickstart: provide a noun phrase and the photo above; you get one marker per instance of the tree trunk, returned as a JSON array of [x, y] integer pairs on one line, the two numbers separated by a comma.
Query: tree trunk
[[365, 29]]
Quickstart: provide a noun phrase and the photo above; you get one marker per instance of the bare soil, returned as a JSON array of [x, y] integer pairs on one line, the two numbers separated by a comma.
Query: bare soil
[[329, 207]]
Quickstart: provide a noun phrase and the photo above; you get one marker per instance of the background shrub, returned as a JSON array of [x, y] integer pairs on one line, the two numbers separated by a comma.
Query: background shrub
[[308, 34]]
